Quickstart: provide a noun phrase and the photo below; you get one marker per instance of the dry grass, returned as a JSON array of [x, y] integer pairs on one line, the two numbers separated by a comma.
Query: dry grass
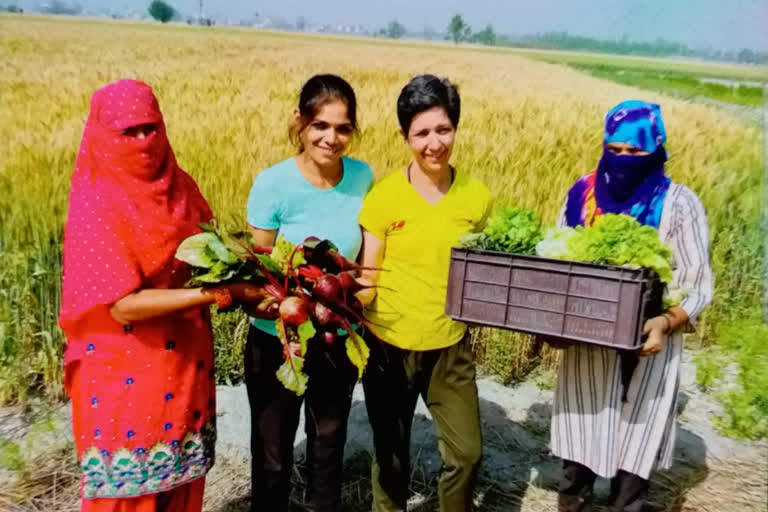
[[528, 130], [49, 483], [728, 486]]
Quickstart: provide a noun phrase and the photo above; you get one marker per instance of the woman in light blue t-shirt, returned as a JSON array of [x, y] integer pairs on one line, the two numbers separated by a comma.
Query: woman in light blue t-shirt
[[318, 193]]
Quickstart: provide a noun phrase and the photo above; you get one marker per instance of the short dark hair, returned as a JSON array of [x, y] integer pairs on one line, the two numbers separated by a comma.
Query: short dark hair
[[424, 92], [316, 92]]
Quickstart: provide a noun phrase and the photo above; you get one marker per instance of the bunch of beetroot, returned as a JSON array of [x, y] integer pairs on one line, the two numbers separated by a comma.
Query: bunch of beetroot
[[308, 289]]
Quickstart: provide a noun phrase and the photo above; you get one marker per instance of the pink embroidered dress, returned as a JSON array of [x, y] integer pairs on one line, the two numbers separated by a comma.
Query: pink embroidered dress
[[143, 395]]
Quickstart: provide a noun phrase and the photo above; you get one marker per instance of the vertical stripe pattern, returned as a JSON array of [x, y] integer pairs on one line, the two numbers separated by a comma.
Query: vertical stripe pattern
[[590, 424]]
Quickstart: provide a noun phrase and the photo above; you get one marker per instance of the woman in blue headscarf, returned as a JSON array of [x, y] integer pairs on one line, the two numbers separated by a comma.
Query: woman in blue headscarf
[[602, 424]]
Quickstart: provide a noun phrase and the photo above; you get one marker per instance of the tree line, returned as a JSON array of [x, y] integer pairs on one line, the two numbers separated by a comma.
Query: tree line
[[658, 48], [459, 31]]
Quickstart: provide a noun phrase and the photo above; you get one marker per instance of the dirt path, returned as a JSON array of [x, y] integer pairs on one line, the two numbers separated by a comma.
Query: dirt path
[[712, 473]]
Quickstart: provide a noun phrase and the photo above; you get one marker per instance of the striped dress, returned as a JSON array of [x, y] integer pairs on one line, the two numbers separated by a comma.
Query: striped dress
[[590, 424]]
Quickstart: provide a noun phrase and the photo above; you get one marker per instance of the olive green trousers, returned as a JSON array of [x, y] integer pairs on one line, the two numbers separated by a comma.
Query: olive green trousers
[[445, 379]]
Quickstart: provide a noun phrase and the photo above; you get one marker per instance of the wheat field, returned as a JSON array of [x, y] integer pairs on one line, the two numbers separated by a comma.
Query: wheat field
[[528, 130]]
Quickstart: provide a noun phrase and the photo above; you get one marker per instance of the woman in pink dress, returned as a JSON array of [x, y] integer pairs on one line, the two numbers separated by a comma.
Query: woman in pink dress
[[139, 359]]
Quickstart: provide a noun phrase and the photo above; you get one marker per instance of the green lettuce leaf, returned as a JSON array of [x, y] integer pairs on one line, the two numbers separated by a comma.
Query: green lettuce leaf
[[555, 244], [512, 229], [612, 240], [473, 241]]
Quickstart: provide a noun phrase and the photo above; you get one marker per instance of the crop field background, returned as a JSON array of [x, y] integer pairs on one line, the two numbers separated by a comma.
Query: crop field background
[[529, 128], [692, 67]]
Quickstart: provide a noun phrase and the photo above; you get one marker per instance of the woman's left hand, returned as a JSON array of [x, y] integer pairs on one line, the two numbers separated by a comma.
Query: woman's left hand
[[246, 292], [656, 329]]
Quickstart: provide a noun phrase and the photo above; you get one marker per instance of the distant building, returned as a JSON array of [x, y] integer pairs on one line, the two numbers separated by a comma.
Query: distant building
[[203, 22], [301, 25], [339, 29]]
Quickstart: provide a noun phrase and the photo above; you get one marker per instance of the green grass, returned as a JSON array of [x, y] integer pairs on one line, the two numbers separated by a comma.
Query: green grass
[[231, 332], [685, 79], [30, 340], [743, 341], [10, 455], [14, 454], [676, 84], [513, 356], [737, 72]]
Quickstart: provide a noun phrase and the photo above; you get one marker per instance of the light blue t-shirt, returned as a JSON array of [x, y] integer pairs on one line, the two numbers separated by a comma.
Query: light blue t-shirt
[[282, 199]]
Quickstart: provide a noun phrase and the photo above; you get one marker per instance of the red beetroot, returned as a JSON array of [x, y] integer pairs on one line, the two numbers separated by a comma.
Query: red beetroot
[[311, 271], [275, 290], [349, 283], [341, 262], [326, 256], [325, 315], [328, 288], [344, 264], [294, 311]]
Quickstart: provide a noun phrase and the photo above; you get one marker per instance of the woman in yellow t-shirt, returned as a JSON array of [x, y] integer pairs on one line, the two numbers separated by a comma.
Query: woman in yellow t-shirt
[[411, 219]]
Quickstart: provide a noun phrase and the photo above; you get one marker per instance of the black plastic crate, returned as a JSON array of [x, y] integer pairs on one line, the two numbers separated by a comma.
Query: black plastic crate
[[567, 300]]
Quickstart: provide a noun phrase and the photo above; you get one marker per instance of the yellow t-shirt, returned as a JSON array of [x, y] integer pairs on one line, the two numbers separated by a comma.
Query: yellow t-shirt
[[409, 309]]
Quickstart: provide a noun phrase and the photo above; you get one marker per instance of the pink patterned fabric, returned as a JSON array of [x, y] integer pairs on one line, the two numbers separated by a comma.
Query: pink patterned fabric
[[143, 394]]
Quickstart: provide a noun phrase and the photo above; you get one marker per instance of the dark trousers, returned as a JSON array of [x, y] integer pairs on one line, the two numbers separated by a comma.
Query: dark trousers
[[275, 418], [628, 491], [445, 379]]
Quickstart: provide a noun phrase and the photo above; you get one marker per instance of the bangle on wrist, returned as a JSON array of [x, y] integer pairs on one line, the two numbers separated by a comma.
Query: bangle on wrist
[[223, 297], [669, 323]]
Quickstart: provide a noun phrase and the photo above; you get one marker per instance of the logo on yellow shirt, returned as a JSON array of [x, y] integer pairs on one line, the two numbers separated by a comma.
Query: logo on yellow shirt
[[397, 225]]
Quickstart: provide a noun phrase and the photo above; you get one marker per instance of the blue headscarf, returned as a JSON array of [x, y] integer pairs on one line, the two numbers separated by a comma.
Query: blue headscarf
[[634, 184], [637, 123]]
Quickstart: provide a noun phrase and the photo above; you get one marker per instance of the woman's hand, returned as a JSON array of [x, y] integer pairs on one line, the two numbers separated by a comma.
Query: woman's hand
[[267, 309], [368, 292], [245, 292], [255, 300], [656, 329]]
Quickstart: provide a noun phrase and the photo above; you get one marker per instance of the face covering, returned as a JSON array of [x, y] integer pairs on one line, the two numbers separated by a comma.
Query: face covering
[[621, 175]]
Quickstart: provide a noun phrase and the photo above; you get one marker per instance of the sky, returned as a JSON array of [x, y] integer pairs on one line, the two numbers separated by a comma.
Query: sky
[[724, 24]]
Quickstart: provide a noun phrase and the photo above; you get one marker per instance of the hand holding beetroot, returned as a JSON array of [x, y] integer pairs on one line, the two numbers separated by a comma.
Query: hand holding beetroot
[[309, 289]]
